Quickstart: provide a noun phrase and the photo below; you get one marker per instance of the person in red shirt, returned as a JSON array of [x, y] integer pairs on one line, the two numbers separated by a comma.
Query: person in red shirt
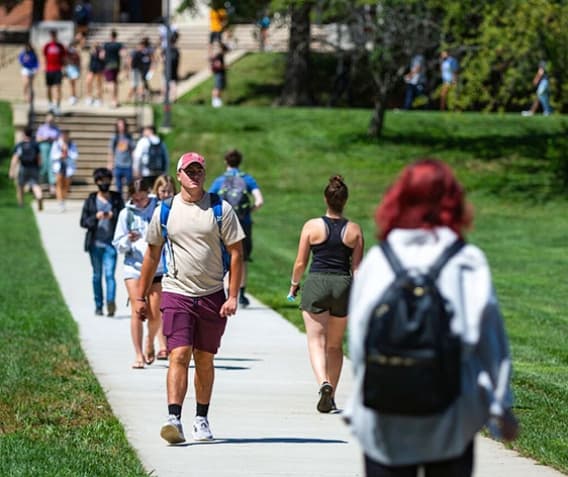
[[54, 53]]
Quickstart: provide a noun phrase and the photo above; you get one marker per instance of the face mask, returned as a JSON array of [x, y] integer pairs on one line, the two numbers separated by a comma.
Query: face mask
[[103, 187]]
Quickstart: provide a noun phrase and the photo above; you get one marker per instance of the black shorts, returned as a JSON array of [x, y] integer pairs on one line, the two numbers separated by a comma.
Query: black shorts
[[53, 78], [215, 36]]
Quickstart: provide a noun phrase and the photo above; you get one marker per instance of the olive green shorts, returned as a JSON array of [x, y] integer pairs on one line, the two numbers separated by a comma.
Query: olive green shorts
[[326, 292]]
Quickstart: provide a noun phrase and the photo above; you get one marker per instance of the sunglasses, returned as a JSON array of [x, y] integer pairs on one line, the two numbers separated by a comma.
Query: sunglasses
[[194, 171]]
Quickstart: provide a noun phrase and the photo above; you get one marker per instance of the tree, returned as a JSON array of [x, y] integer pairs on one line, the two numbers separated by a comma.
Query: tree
[[388, 34], [296, 91]]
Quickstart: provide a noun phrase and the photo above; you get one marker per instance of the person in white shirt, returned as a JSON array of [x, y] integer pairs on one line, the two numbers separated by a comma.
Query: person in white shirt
[[63, 155], [421, 215], [150, 156]]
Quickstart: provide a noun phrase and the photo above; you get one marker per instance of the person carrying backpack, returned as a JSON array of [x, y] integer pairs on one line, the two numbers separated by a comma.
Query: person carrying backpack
[[24, 168], [194, 305], [426, 336], [150, 157], [244, 195]]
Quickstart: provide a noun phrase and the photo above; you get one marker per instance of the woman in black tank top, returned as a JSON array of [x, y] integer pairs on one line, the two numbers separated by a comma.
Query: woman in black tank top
[[336, 246]]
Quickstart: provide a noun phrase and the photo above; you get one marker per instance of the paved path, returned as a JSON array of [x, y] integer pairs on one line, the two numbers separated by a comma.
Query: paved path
[[263, 410]]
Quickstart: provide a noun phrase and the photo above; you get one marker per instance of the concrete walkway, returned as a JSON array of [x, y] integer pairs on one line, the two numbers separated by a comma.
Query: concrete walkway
[[263, 409]]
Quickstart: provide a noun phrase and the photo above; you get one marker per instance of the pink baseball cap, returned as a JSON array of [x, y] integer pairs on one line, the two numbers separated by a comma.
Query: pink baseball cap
[[190, 158]]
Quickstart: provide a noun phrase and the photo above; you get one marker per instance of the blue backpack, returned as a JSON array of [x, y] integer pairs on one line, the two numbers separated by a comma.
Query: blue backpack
[[216, 206]]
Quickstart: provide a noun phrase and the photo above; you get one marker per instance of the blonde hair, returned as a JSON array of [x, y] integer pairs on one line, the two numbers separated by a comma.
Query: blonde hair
[[163, 181]]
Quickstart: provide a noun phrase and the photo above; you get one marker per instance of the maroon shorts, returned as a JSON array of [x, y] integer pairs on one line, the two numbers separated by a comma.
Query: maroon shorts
[[196, 322], [111, 75]]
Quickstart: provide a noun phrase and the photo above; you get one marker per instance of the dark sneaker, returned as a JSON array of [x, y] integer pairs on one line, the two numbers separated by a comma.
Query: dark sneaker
[[325, 403], [244, 301], [111, 308], [99, 311]]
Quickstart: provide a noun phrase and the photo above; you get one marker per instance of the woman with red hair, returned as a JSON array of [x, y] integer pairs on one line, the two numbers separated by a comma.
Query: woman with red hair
[[421, 216]]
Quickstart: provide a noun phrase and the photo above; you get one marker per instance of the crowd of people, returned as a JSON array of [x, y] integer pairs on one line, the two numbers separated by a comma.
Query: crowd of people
[[106, 62], [174, 245]]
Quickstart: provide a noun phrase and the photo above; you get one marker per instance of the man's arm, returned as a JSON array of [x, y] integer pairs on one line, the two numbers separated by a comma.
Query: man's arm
[[235, 273], [150, 264]]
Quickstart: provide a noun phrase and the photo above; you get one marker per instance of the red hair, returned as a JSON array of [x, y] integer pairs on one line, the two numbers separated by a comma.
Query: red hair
[[425, 195]]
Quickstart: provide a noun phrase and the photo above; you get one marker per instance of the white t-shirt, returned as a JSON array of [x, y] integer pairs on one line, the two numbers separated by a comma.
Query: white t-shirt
[[195, 265]]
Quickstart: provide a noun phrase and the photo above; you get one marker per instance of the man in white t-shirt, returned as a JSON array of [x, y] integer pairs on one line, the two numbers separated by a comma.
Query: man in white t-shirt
[[194, 305]]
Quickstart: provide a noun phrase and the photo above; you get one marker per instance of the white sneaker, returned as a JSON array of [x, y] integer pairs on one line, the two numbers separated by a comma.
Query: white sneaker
[[527, 113], [89, 101], [97, 103], [172, 431], [201, 431], [72, 100]]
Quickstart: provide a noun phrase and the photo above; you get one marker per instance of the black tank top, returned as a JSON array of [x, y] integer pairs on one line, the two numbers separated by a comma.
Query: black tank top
[[332, 255]]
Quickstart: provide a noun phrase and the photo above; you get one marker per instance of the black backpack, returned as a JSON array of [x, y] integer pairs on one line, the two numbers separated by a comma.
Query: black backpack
[[234, 191], [28, 154], [413, 360], [156, 157]]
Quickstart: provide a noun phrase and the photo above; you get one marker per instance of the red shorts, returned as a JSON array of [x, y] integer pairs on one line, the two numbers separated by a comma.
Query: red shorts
[[111, 75], [189, 321]]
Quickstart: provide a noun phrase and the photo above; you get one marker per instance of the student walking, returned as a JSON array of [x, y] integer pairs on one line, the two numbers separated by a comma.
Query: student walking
[[150, 156], [54, 54], [95, 75], [113, 51], [449, 68], [542, 84], [336, 245], [73, 69], [99, 217], [219, 75], [24, 168], [130, 240], [402, 422], [46, 135], [29, 63], [64, 155], [121, 147], [244, 195], [194, 305]]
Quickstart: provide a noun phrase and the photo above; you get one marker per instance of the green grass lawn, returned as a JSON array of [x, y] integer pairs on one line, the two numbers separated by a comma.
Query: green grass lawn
[[54, 418], [507, 165]]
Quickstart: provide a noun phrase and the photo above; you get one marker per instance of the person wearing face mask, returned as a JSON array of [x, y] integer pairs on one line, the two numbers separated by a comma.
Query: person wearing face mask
[[99, 216], [130, 239]]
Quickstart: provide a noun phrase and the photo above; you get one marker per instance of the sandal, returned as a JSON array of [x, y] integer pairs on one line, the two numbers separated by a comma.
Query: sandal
[[138, 365], [162, 355]]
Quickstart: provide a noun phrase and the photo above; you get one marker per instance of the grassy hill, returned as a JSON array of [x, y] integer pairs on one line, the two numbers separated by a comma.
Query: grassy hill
[[512, 168]]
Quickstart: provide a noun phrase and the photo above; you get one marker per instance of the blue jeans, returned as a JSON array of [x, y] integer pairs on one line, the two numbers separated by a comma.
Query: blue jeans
[[122, 175], [545, 103], [103, 259]]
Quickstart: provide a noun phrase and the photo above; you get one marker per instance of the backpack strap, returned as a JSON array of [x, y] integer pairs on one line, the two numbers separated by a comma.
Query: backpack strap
[[217, 206], [435, 269], [448, 253], [165, 209], [391, 257]]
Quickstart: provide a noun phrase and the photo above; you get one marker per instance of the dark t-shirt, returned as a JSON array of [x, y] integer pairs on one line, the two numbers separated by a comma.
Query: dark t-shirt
[[112, 55], [28, 153]]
